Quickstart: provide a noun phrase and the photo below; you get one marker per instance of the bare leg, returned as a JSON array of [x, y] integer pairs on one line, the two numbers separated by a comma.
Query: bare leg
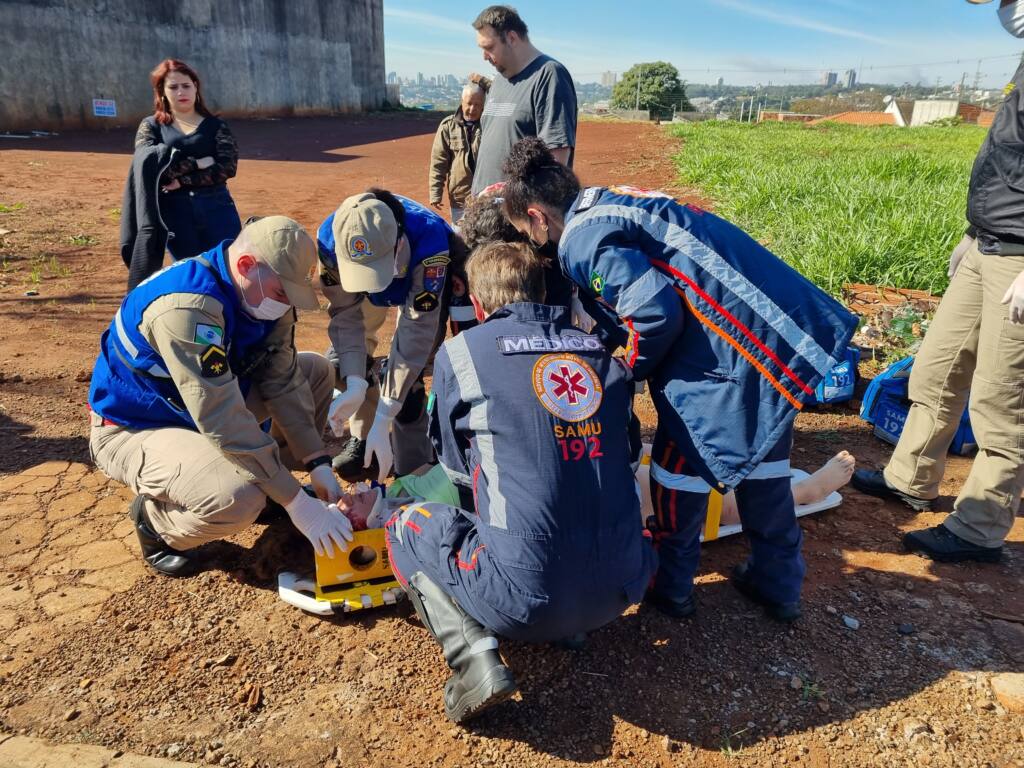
[[834, 475], [730, 512]]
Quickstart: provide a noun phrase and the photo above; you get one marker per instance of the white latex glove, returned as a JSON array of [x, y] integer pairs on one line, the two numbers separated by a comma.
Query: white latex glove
[[958, 254], [325, 484], [345, 405], [205, 162], [1014, 296], [378, 442], [323, 524]]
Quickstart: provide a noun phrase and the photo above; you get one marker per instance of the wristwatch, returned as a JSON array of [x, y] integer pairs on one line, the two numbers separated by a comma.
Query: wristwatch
[[319, 461]]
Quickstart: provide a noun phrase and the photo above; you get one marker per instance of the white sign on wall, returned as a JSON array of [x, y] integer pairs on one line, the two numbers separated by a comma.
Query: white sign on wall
[[104, 108]]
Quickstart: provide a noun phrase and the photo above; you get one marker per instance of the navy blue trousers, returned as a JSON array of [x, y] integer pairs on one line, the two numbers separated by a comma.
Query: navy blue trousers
[[198, 220], [766, 509]]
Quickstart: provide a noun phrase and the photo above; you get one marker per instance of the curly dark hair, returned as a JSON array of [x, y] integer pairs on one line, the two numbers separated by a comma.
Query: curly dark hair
[[484, 222], [534, 176]]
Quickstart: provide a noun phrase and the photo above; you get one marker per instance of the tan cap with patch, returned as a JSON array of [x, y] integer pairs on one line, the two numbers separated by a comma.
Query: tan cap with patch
[[285, 247], [365, 236]]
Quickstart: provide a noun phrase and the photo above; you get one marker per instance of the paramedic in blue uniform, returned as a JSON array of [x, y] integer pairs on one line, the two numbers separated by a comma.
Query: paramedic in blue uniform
[[381, 250], [196, 358], [531, 418], [731, 340]]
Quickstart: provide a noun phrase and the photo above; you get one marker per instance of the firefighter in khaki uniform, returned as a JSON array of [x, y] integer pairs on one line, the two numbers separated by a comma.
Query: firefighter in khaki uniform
[[381, 250], [195, 359]]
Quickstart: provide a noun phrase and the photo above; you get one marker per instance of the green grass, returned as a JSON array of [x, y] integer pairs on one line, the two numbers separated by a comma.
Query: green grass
[[842, 204], [11, 208]]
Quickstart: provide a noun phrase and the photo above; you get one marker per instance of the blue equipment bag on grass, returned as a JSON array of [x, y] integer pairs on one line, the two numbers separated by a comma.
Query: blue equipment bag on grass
[[838, 384], [886, 406]]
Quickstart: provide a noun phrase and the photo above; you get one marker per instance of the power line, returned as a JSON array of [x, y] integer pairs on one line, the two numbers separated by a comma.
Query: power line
[[869, 67]]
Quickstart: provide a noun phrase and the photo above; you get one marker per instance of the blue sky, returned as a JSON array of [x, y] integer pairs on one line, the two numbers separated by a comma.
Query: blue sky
[[744, 41]]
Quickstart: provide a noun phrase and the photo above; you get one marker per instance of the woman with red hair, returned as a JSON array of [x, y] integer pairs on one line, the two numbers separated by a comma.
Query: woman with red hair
[[195, 204]]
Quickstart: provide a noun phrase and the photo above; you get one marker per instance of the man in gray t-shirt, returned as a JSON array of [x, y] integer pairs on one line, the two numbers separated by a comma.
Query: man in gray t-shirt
[[532, 95]]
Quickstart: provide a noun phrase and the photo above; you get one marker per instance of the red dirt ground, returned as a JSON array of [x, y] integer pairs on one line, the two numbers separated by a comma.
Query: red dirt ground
[[96, 649]]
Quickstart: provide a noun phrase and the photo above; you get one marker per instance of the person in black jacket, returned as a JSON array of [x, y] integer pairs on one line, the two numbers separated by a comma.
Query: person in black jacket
[[195, 204], [974, 348]]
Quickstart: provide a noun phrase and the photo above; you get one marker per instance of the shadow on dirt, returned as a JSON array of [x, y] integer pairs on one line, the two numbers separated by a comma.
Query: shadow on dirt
[[310, 139]]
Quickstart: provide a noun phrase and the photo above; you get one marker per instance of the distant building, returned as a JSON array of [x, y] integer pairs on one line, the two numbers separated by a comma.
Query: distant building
[[453, 81], [721, 82], [609, 79], [829, 79], [850, 78], [857, 118], [419, 79], [785, 117]]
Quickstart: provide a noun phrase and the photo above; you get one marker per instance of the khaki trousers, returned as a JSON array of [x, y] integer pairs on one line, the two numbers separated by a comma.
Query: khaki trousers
[[972, 349], [410, 444], [194, 493]]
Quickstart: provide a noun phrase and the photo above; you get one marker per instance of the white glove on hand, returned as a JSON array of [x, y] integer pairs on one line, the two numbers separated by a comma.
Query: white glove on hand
[[1014, 296], [378, 442], [345, 405], [323, 524], [958, 254], [325, 484]]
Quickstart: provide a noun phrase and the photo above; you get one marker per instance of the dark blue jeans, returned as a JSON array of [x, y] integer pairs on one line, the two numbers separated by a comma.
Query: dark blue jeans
[[198, 219]]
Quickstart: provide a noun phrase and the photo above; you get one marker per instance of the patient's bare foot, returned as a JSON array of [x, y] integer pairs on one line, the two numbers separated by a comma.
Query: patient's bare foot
[[834, 475]]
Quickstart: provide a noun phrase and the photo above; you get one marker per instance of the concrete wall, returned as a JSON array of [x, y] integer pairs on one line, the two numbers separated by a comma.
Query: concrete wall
[[255, 57], [927, 110]]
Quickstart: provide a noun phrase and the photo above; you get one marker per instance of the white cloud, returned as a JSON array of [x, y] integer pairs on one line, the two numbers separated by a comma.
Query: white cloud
[[798, 22]]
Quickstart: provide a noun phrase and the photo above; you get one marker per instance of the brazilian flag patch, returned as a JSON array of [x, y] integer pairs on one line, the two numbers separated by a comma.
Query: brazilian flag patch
[[214, 361]]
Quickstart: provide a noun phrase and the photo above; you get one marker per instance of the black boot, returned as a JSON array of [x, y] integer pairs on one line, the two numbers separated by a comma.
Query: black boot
[[479, 677], [944, 546], [746, 586], [155, 551], [677, 608], [872, 482], [273, 511], [349, 463]]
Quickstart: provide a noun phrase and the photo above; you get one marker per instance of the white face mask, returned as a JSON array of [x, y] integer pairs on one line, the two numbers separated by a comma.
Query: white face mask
[[268, 309], [1012, 18]]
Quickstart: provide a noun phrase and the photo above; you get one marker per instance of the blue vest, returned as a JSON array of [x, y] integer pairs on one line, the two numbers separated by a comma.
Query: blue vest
[[428, 235], [130, 384]]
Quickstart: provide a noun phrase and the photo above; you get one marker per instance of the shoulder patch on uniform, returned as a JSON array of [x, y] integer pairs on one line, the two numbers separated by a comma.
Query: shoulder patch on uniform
[[433, 278], [513, 345], [214, 361], [596, 282], [442, 258], [209, 334], [589, 197], [425, 301]]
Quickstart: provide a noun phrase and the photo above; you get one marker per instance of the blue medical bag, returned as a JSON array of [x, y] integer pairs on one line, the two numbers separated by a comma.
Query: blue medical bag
[[886, 405]]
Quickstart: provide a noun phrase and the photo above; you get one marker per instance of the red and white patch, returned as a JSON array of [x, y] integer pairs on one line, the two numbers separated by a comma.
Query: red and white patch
[[567, 387]]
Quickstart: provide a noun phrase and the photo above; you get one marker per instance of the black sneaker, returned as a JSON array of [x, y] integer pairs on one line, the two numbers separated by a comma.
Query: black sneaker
[[157, 553], [872, 482], [349, 463], [675, 607], [744, 584], [944, 546]]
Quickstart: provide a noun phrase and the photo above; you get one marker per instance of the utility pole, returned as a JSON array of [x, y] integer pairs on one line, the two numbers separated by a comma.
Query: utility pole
[[963, 79], [977, 76]]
